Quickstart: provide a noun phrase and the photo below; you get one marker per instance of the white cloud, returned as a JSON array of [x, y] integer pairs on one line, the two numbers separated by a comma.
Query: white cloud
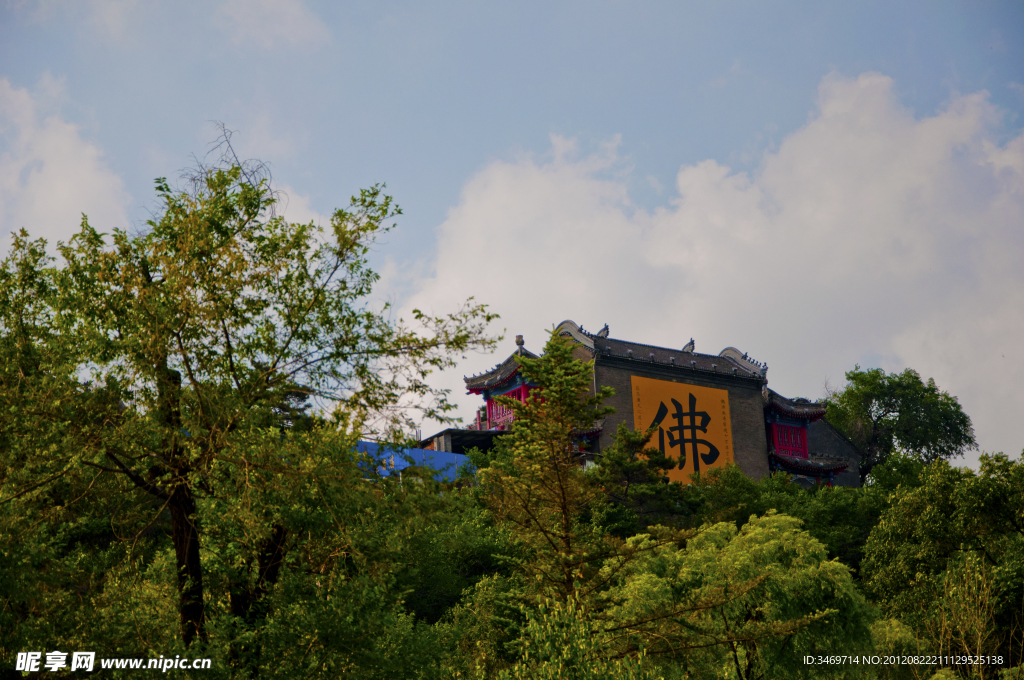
[[49, 174], [735, 70], [296, 207], [111, 17], [108, 19], [867, 233], [262, 136], [270, 23]]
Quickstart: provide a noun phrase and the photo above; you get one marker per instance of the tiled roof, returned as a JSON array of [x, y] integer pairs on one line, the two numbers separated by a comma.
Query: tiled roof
[[797, 408], [499, 375], [730, 361], [673, 357], [815, 465], [596, 428]]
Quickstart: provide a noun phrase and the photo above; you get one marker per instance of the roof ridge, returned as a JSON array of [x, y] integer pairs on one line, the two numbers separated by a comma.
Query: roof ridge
[[668, 349], [511, 357]]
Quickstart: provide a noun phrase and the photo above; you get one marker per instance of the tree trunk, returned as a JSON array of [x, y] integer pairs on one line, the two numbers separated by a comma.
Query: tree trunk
[[182, 504], [185, 535], [248, 605]]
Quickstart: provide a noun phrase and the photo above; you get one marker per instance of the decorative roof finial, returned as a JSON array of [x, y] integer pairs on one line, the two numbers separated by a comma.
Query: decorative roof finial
[[688, 347], [519, 340], [603, 333]]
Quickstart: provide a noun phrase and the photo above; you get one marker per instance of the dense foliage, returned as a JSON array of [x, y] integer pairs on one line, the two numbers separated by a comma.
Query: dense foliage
[[886, 413], [179, 476], [948, 557]]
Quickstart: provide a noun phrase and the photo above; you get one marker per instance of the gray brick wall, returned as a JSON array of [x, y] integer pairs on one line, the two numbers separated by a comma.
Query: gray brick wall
[[746, 411], [824, 440]]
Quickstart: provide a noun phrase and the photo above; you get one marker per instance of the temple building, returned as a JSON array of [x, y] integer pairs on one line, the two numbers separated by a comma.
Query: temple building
[[709, 410]]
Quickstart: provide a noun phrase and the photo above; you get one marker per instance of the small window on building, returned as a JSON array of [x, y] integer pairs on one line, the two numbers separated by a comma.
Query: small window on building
[[790, 440]]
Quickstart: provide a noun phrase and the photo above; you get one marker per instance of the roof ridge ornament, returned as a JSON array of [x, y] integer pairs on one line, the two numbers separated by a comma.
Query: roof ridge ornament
[[744, 361], [688, 347], [576, 333], [603, 333]]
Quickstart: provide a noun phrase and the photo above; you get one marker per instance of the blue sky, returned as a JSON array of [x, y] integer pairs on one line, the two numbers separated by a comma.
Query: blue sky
[[819, 184]]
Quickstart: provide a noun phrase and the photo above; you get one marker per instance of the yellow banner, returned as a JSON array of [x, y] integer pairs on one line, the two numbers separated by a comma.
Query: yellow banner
[[693, 423]]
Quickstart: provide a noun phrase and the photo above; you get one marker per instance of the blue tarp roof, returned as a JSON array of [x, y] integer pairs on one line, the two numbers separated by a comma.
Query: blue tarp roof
[[445, 463]]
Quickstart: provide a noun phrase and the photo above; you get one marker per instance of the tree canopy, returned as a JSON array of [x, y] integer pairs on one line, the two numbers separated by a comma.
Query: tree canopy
[[947, 557], [159, 356], [180, 476], [883, 413]]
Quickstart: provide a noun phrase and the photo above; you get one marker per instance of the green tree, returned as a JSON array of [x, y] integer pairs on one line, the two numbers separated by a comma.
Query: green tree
[[637, 494], [737, 603], [559, 642], [536, 479], [947, 558], [841, 518], [457, 548], [340, 603], [156, 358], [883, 413]]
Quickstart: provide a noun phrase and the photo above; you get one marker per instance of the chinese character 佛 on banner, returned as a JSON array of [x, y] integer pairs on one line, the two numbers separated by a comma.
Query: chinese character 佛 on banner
[[692, 424]]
